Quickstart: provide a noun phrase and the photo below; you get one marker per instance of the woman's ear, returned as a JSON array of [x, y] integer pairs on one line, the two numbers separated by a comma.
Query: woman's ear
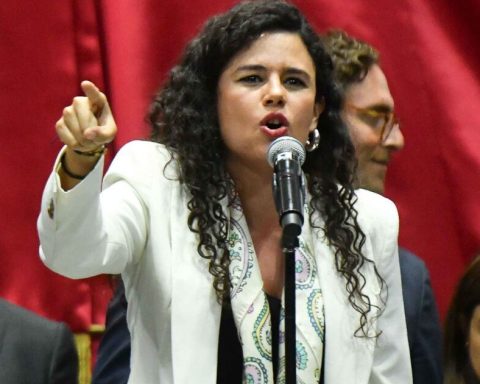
[[317, 111]]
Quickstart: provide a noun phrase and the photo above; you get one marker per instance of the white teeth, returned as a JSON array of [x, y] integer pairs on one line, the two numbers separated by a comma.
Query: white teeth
[[275, 121]]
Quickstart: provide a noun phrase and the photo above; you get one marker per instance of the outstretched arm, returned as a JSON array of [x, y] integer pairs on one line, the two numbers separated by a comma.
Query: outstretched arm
[[84, 230]]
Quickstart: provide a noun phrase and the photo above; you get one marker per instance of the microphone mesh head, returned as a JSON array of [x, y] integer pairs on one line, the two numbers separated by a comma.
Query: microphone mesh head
[[285, 144]]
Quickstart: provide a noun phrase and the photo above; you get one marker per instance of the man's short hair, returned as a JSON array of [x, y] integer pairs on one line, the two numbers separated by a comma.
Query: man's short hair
[[351, 58]]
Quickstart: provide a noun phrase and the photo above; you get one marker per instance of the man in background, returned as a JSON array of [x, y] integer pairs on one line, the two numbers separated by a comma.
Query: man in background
[[35, 350], [368, 111]]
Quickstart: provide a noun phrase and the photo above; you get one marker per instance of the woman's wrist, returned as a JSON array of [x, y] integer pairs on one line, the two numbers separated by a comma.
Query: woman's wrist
[[63, 167], [97, 152], [77, 165]]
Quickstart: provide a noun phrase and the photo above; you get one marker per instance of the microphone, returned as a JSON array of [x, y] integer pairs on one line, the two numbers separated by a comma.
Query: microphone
[[286, 155]]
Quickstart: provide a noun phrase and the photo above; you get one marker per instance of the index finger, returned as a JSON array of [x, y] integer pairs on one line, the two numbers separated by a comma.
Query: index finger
[[95, 96]]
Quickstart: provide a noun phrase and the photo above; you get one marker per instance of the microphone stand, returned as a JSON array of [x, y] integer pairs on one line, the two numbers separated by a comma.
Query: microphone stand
[[289, 244], [287, 155], [291, 221]]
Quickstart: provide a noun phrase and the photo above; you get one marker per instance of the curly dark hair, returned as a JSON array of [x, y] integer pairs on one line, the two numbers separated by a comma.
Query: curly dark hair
[[352, 58], [457, 366], [184, 118]]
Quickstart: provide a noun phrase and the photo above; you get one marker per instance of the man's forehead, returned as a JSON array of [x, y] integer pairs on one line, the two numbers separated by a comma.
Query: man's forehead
[[372, 92]]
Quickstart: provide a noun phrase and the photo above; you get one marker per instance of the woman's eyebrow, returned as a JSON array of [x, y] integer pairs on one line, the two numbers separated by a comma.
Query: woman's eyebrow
[[258, 67], [251, 67]]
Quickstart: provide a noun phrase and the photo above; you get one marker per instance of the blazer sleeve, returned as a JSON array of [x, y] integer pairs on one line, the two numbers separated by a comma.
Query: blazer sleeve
[[88, 231], [391, 360]]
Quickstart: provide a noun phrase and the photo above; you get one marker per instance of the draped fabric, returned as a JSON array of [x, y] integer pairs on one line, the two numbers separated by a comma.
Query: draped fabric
[[429, 52], [252, 314]]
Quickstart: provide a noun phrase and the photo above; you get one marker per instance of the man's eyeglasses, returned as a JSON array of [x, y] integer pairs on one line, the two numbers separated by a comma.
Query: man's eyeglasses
[[381, 121]]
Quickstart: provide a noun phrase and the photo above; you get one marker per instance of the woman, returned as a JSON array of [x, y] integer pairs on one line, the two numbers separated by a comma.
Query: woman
[[462, 330], [190, 222]]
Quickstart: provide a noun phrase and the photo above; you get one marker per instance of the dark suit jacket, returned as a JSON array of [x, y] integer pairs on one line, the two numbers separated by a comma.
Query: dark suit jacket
[[34, 350], [113, 355], [423, 325]]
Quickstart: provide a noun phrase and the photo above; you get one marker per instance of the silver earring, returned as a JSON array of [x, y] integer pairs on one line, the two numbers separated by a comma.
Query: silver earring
[[313, 140]]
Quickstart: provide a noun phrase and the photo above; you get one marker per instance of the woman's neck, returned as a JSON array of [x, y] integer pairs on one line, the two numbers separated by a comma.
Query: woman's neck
[[254, 187]]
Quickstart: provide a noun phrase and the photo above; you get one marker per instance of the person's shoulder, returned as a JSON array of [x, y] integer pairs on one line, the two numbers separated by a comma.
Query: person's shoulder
[[414, 269], [144, 151], [18, 313], [140, 162], [143, 145], [375, 210], [410, 259], [378, 219], [28, 321], [366, 198], [46, 346]]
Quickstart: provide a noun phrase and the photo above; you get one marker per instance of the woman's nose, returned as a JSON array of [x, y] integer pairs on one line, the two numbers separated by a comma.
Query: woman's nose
[[274, 93]]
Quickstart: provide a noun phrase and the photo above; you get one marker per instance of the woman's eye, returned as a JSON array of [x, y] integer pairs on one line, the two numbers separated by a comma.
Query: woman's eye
[[295, 82], [251, 79]]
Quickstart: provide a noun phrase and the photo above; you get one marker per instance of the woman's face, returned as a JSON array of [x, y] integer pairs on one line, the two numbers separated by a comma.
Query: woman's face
[[265, 92], [474, 340]]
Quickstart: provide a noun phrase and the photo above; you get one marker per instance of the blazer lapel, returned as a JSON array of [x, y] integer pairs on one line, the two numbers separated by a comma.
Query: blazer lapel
[[195, 313], [348, 359]]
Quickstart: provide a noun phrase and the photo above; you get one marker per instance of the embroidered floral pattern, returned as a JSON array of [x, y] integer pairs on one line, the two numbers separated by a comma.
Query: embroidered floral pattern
[[316, 312], [262, 335], [302, 356], [305, 270], [241, 257], [255, 371]]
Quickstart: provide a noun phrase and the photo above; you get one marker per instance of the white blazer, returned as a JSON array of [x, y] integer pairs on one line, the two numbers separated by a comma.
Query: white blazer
[[137, 226]]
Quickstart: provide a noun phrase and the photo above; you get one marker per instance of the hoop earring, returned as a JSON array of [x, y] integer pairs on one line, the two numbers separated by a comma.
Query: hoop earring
[[313, 140]]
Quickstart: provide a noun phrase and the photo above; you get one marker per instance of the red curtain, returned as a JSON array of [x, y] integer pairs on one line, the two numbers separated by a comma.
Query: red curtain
[[429, 51]]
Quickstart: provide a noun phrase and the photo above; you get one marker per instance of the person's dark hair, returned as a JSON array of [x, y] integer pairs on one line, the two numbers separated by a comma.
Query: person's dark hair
[[352, 58], [184, 118], [457, 324]]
